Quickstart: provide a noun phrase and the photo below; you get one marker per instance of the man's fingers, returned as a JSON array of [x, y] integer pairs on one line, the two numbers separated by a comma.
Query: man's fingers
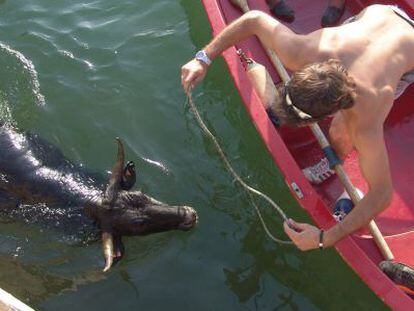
[[196, 80], [189, 81], [304, 236], [298, 226], [191, 74], [184, 73], [184, 70], [293, 225], [289, 231], [293, 234]]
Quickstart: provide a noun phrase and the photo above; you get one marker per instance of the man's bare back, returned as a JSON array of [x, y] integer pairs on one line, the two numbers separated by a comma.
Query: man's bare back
[[379, 40], [376, 49]]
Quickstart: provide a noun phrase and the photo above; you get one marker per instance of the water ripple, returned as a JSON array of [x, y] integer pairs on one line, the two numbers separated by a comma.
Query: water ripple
[[155, 33], [65, 53]]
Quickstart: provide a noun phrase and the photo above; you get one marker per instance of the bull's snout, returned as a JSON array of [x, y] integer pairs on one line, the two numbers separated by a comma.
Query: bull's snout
[[189, 218]]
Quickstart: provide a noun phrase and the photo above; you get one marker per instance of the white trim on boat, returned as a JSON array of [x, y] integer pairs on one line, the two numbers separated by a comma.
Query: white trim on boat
[[10, 303]]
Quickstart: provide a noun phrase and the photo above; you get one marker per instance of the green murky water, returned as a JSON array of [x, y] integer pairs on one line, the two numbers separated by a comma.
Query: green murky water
[[111, 68]]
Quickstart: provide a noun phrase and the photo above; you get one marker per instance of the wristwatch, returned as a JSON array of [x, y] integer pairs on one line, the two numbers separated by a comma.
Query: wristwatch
[[202, 56], [321, 232]]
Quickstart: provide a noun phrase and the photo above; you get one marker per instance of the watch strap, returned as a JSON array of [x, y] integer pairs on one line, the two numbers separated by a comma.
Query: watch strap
[[321, 233]]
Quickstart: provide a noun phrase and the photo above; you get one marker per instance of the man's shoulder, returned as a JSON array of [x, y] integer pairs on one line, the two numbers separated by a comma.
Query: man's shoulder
[[373, 97], [366, 118]]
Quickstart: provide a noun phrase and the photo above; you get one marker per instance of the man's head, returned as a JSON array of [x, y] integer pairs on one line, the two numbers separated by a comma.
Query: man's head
[[315, 92]]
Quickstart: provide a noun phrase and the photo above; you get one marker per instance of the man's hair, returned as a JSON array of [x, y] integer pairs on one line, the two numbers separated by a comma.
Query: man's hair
[[315, 92]]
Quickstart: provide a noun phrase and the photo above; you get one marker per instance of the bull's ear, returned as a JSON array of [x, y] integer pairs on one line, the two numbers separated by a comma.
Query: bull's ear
[[116, 176], [128, 176]]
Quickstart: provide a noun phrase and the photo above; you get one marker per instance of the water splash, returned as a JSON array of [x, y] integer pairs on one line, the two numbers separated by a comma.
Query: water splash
[[5, 111], [30, 69], [158, 164], [70, 223], [19, 85]]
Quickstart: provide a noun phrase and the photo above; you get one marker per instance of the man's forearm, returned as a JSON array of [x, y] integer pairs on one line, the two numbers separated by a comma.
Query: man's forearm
[[240, 29], [361, 215]]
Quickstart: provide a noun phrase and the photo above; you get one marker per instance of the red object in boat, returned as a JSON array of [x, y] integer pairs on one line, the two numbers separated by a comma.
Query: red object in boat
[[288, 147]]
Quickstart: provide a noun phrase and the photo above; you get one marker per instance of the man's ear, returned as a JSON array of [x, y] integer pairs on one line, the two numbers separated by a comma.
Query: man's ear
[[128, 176]]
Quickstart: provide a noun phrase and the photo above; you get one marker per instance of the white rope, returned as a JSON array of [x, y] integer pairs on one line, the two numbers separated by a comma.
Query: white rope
[[229, 167]]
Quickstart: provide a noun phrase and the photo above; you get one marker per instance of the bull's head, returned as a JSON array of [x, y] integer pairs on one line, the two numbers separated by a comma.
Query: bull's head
[[122, 212]]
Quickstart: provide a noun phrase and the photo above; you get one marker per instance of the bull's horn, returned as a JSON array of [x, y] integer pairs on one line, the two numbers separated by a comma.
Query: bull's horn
[[108, 250], [116, 175]]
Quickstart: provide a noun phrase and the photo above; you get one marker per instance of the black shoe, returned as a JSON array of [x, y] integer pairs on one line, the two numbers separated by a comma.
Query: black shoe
[[281, 11], [332, 16]]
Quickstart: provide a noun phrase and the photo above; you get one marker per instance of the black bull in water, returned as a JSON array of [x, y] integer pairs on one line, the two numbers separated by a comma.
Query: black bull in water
[[37, 180]]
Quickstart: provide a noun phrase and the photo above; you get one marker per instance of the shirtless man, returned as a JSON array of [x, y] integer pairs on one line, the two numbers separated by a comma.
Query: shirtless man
[[352, 71]]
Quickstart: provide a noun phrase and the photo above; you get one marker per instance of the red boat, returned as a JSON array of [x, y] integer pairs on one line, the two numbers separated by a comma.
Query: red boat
[[294, 149]]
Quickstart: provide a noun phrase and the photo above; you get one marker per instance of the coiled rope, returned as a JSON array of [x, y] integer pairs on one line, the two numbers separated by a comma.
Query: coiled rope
[[250, 190]]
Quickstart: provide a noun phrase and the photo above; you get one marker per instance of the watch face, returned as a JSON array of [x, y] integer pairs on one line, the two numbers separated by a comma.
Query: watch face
[[200, 55]]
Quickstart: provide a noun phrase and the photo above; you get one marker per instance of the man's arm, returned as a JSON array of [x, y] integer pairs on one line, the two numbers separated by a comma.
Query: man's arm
[[272, 33], [373, 161], [339, 136], [375, 169]]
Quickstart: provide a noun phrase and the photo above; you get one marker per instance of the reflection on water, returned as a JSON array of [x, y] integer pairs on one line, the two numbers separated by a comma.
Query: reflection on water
[[39, 283]]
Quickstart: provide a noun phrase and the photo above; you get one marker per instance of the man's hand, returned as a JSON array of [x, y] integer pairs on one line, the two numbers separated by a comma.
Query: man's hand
[[304, 236], [192, 73]]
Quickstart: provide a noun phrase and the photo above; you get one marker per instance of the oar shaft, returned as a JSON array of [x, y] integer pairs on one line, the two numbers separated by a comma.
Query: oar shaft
[[324, 143]]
